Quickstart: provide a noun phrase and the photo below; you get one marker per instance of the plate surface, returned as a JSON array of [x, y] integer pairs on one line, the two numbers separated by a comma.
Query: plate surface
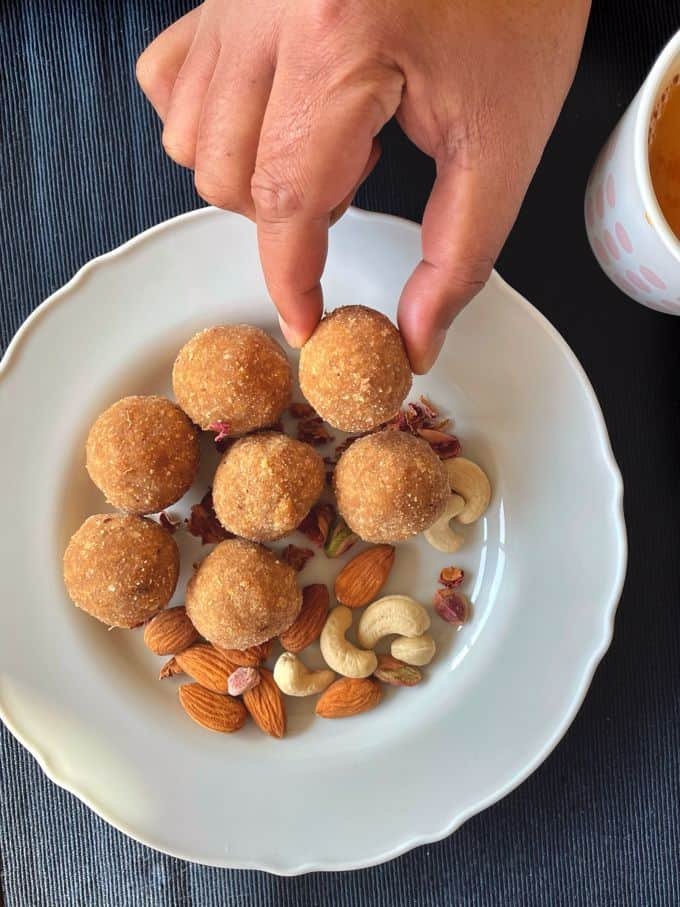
[[544, 569]]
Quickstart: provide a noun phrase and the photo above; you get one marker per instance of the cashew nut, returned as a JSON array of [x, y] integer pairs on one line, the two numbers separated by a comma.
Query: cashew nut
[[440, 535], [418, 650], [295, 679], [341, 655], [398, 614], [471, 483]]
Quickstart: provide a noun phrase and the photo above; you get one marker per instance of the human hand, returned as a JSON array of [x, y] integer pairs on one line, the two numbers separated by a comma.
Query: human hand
[[276, 107]]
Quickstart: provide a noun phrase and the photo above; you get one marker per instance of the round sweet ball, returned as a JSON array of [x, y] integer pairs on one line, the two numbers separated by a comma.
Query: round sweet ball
[[142, 452], [242, 595], [234, 374], [121, 569], [390, 486], [266, 484], [354, 370]]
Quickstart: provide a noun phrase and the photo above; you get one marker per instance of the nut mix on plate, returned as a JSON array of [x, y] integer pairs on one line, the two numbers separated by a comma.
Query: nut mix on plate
[[399, 475]]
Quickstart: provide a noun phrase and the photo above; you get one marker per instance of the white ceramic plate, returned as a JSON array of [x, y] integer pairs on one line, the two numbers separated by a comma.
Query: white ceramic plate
[[545, 570]]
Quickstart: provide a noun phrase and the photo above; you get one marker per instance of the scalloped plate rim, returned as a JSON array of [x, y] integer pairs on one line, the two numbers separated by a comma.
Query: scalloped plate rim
[[38, 751]]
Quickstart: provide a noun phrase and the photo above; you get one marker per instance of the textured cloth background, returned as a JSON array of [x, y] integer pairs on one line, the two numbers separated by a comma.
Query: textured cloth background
[[81, 170]]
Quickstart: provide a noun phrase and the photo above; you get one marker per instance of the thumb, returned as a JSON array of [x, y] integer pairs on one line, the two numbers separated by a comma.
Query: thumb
[[467, 218]]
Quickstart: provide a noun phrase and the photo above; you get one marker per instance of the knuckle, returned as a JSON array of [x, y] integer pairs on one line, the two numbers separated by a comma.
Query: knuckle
[[468, 277], [219, 193], [275, 198], [382, 101], [329, 12], [148, 72], [181, 152], [468, 134], [151, 72]]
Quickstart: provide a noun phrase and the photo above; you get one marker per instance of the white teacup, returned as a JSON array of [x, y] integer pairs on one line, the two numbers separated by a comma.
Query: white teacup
[[627, 230]]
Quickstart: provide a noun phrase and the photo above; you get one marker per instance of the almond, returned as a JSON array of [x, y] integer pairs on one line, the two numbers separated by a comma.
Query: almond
[[211, 710], [170, 632], [250, 658], [206, 665], [349, 696], [170, 669], [308, 625], [265, 704], [363, 577]]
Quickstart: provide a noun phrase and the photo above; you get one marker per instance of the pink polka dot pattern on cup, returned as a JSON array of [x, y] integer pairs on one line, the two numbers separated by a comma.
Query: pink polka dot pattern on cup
[[611, 245], [610, 191], [617, 242], [626, 285], [590, 217], [653, 278], [601, 252], [623, 237], [638, 282]]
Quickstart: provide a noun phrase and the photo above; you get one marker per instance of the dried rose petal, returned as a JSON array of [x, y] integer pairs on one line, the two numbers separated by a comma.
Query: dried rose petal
[[169, 522], [442, 443], [398, 422], [415, 417], [451, 606], [340, 539], [330, 463], [241, 680], [297, 557], [316, 525], [423, 419], [301, 410], [221, 429], [396, 672], [313, 431], [204, 524], [451, 576], [428, 408]]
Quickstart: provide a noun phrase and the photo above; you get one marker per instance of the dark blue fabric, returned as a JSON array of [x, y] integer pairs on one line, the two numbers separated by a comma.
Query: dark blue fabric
[[82, 171]]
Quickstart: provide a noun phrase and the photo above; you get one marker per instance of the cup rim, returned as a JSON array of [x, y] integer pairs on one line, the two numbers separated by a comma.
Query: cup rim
[[648, 96]]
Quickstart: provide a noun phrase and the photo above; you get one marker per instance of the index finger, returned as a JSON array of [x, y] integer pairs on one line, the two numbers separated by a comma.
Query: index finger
[[316, 141]]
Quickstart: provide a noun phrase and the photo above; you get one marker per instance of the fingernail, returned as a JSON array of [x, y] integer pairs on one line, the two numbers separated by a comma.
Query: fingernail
[[292, 337]]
